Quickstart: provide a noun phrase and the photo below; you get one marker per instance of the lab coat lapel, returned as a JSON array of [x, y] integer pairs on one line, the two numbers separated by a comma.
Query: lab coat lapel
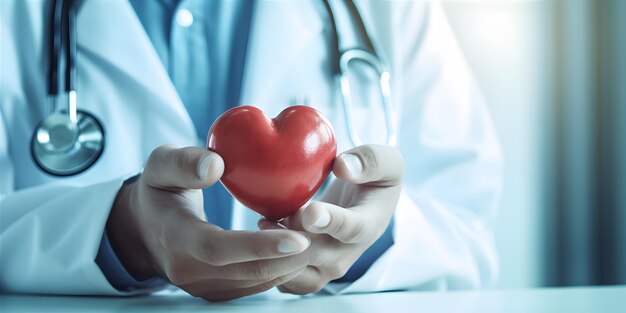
[[114, 33]]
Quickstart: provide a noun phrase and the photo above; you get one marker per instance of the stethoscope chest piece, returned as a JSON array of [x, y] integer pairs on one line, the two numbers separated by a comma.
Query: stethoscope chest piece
[[63, 147]]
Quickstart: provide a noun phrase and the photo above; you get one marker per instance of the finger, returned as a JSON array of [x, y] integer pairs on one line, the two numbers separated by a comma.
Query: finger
[[242, 292], [206, 285], [294, 221], [376, 165], [263, 269], [190, 167], [220, 247], [309, 281], [323, 247], [191, 271], [345, 225], [265, 224]]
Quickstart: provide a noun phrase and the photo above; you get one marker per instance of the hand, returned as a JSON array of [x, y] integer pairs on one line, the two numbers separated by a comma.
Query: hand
[[350, 216], [157, 227]]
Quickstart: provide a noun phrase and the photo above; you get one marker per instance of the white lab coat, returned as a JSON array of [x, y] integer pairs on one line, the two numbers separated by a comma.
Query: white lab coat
[[50, 228]]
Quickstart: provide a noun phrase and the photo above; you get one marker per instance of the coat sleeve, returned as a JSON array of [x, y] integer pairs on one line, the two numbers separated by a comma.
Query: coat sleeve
[[51, 230], [453, 167], [50, 234]]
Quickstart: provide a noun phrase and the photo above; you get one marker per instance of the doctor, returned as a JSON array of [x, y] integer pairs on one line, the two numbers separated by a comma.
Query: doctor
[[157, 73]]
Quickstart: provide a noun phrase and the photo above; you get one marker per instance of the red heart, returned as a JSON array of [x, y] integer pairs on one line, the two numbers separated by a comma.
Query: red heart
[[273, 166]]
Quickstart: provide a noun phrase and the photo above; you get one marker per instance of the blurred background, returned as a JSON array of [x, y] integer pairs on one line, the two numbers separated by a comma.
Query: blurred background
[[554, 74]]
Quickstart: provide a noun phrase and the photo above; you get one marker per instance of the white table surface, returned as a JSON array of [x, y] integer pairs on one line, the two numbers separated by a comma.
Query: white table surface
[[588, 299]]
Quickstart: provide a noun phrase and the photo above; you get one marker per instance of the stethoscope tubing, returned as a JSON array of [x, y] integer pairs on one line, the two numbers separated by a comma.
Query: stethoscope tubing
[[360, 50], [67, 141], [73, 157]]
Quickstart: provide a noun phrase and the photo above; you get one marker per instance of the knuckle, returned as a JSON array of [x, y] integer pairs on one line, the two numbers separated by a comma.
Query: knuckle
[[347, 232], [337, 224], [153, 162], [316, 286], [369, 156], [354, 233], [318, 259], [159, 151], [261, 271], [180, 160], [337, 270], [153, 171], [211, 255], [158, 154]]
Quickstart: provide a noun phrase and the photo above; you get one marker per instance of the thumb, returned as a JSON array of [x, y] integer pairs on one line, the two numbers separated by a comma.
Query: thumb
[[375, 165], [191, 167]]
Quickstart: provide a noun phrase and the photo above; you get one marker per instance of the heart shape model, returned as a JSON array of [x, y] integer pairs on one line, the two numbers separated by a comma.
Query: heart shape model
[[273, 166]]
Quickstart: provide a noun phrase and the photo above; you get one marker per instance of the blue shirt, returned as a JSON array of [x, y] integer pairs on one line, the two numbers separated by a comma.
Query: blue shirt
[[202, 45]]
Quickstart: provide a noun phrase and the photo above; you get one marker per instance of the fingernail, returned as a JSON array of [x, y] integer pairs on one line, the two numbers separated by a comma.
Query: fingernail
[[291, 246], [353, 164], [323, 220], [203, 166]]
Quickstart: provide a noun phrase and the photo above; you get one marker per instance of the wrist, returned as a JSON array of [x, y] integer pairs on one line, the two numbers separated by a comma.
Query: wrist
[[124, 233]]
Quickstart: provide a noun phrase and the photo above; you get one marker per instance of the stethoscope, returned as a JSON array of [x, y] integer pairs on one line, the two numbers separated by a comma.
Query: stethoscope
[[69, 141], [351, 44]]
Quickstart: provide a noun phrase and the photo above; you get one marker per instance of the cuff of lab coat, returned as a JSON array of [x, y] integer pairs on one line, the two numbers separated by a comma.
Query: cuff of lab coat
[[116, 273]]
